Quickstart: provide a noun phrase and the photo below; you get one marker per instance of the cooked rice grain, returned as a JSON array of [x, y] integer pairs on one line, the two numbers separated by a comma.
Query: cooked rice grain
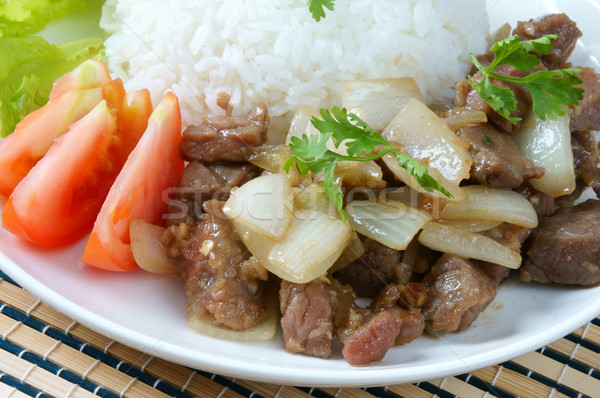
[[273, 51]]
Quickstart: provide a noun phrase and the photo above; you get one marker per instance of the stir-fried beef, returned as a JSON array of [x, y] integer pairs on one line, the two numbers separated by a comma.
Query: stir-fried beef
[[225, 138], [459, 292], [372, 271], [466, 97], [541, 201], [410, 295], [221, 285], [586, 115], [307, 318], [565, 248], [496, 160], [511, 236], [371, 341], [213, 180], [557, 24], [586, 158]]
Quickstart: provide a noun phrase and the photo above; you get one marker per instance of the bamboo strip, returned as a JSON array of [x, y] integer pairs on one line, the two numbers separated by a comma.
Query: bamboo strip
[[272, 390], [176, 375], [347, 392], [577, 352], [458, 387], [514, 383], [7, 391], [39, 378], [561, 373], [409, 391]]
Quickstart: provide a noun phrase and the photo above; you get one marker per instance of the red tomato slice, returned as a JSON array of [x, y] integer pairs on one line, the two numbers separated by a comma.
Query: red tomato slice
[[137, 108], [89, 74], [58, 201], [153, 166], [34, 135]]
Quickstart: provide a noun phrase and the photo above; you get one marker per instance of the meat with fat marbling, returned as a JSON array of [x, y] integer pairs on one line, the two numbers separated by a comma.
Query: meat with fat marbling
[[225, 138], [565, 247], [459, 292], [307, 318], [496, 160], [222, 287]]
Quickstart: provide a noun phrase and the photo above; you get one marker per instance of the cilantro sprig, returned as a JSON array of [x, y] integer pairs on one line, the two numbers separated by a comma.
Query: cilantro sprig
[[317, 8], [362, 143], [551, 90]]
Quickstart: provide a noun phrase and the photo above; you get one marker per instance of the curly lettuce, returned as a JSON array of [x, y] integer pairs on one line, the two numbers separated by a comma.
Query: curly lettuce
[[29, 64]]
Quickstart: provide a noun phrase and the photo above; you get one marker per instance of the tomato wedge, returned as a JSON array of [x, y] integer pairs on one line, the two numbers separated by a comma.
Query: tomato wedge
[[58, 201], [137, 108], [153, 166], [34, 135], [89, 74]]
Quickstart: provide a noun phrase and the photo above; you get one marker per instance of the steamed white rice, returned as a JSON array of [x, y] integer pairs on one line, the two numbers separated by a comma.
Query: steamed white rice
[[273, 51]]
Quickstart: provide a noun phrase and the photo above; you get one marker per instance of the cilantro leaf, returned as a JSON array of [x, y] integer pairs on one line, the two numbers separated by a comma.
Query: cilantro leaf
[[316, 8], [362, 143], [551, 90]]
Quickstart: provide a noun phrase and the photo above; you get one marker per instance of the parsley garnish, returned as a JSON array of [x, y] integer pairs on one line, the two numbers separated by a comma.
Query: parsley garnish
[[487, 140], [551, 90], [362, 143], [316, 8]]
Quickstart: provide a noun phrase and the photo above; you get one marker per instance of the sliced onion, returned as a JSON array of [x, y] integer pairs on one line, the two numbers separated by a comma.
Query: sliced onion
[[301, 125], [471, 225], [392, 223], [461, 117], [492, 204], [272, 159], [360, 174], [465, 244], [354, 249], [310, 247], [312, 244], [426, 137], [262, 332], [263, 204], [380, 98], [403, 175], [547, 143], [147, 250]]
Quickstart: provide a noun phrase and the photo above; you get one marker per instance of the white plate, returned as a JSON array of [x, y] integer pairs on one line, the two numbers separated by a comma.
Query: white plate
[[148, 311]]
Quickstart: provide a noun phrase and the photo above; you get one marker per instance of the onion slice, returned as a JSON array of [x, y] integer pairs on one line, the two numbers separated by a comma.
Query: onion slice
[[263, 204], [147, 250], [491, 204], [426, 137], [392, 223], [380, 98], [465, 244], [547, 143]]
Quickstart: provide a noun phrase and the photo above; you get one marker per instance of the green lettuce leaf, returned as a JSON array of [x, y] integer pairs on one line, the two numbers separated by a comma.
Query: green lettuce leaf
[[29, 67], [24, 17]]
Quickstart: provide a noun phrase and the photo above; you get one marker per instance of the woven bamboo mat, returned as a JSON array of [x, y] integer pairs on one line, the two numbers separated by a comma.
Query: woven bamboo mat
[[46, 354]]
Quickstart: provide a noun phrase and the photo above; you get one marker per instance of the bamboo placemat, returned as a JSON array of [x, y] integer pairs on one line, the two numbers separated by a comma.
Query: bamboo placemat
[[46, 354]]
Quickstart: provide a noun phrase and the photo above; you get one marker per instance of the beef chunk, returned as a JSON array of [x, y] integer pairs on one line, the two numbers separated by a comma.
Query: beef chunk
[[558, 24], [220, 284], [459, 292], [586, 159], [372, 340], [307, 318], [542, 202], [565, 248], [412, 326], [410, 295], [511, 236], [225, 138], [496, 160], [201, 182], [466, 97], [586, 115], [372, 271]]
